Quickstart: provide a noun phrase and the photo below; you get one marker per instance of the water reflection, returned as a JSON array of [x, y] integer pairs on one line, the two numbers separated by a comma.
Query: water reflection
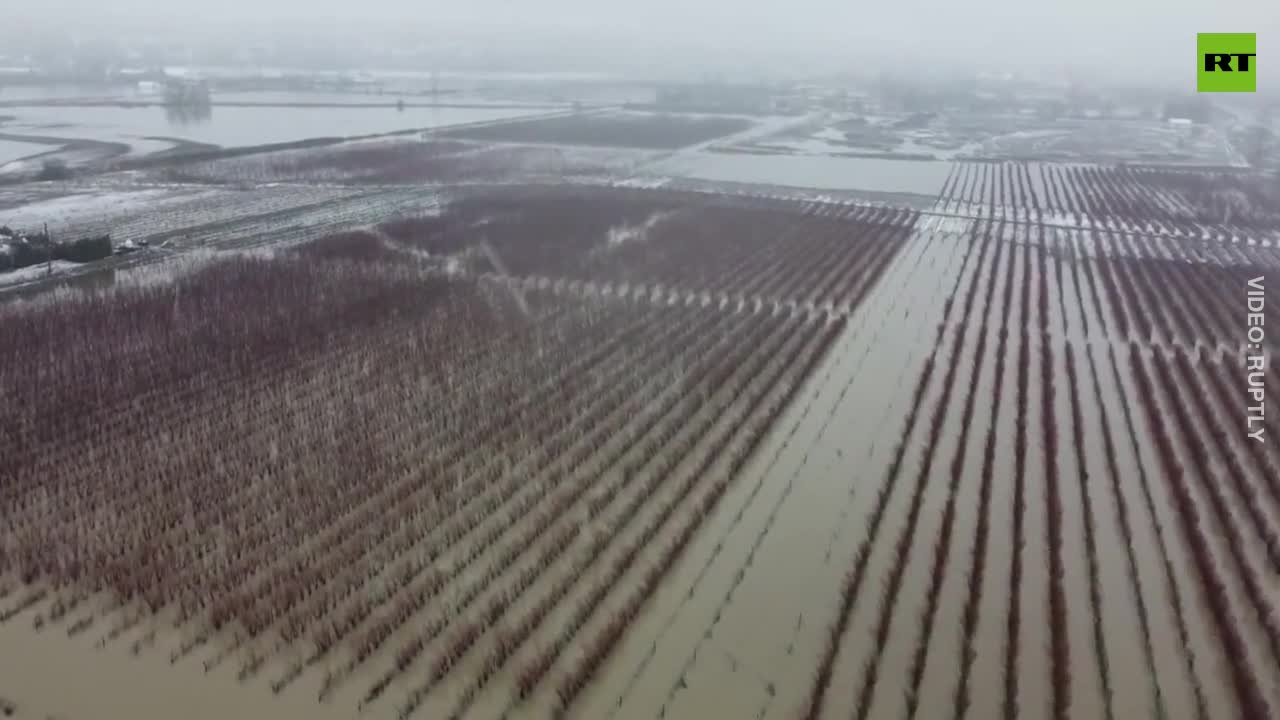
[[187, 114]]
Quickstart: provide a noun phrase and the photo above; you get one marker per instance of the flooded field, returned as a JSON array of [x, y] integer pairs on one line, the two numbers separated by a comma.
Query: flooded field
[[1100, 140], [475, 429], [231, 126], [848, 135], [1027, 461], [10, 94], [10, 150], [1222, 205], [954, 135], [369, 97], [384, 161], [620, 129], [484, 596], [836, 173], [1082, 615]]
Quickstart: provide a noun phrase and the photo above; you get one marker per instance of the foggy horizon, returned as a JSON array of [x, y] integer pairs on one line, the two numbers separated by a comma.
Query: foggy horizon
[[1130, 42]]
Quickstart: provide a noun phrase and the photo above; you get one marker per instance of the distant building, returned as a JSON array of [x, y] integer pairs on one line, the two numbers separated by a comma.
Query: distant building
[[1181, 121]]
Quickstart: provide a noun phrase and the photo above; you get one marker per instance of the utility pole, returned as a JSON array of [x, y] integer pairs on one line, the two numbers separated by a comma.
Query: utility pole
[[48, 251]]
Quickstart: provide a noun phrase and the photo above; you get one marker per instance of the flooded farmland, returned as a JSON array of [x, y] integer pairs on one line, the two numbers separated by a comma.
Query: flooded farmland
[[10, 150], [816, 171], [236, 125], [492, 426]]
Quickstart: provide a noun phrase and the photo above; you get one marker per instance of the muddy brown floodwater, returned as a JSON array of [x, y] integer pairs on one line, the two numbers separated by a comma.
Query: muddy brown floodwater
[[749, 602], [1002, 491]]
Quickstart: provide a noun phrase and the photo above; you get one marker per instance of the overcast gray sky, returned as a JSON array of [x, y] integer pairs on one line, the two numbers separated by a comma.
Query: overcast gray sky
[[1128, 36]]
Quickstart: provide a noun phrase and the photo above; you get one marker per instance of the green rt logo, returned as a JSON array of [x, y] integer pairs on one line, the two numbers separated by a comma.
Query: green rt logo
[[1227, 62]]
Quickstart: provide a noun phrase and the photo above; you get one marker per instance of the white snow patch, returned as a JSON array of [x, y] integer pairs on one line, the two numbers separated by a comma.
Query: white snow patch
[[622, 234], [81, 205], [643, 182], [35, 272]]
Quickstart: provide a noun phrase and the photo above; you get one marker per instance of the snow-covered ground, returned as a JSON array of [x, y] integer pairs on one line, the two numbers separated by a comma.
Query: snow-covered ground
[[35, 272], [79, 207]]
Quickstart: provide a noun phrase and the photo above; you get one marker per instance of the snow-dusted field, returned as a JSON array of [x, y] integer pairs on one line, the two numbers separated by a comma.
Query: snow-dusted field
[[35, 272], [84, 207]]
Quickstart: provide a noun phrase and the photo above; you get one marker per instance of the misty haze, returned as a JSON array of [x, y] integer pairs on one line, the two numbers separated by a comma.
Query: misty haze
[[689, 360]]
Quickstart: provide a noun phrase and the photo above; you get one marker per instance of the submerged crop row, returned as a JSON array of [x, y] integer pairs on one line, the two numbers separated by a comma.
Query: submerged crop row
[[1194, 204], [677, 240], [1020, 500], [429, 489]]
